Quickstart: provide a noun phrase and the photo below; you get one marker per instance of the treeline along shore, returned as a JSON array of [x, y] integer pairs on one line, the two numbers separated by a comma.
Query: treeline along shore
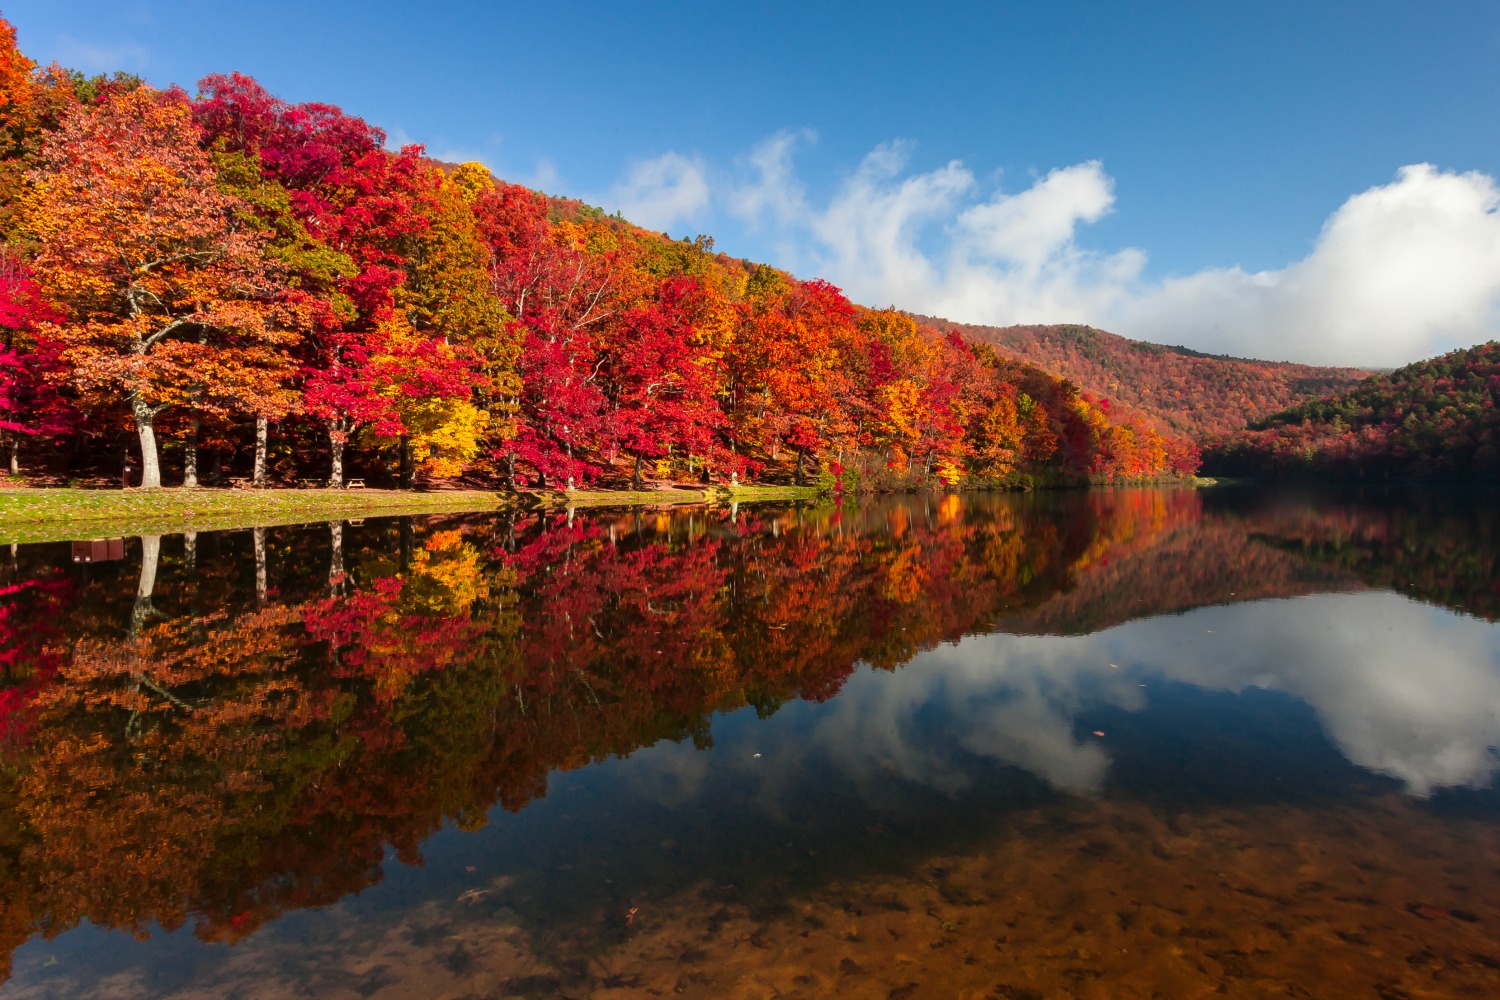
[[217, 286]]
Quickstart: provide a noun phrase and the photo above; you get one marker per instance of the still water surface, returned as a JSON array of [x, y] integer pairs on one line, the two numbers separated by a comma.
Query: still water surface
[[1114, 744]]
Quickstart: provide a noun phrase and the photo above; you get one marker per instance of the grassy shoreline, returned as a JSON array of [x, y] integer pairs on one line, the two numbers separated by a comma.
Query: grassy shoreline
[[42, 514]]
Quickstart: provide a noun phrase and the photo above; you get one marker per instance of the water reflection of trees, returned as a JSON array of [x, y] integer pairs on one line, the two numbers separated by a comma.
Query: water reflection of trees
[[1438, 547], [246, 725]]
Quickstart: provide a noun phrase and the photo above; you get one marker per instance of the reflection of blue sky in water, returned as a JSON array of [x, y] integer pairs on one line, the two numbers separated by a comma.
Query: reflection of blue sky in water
[[1401, 688]]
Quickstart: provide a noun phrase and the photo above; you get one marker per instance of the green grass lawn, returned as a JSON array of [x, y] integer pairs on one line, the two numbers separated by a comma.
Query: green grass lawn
[[45, 514], [29, 515]]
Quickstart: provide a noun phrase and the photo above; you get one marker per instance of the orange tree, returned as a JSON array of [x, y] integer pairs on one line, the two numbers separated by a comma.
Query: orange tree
[[163, 287]]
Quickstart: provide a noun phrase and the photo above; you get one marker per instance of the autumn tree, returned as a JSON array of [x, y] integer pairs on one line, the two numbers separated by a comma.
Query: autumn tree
[[32, 404], [658, 379], [560, 285], [161, 286], [268, 386], [447, 298], [17, 116]]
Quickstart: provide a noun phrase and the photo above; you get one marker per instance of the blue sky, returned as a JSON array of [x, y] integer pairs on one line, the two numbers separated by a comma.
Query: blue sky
[[1200, 149]]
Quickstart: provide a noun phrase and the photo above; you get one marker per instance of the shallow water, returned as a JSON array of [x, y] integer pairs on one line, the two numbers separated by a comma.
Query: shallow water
[[1116, 744]]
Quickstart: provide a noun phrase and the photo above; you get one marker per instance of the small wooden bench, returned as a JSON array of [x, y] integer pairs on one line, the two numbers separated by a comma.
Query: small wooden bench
[[310, 484], [355, 484], [241, 483]]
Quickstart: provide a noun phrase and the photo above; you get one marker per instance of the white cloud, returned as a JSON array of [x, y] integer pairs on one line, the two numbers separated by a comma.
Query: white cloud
[[1032, 227], [776, 190], [869, 231], [659, 193], [544, 178], [95, 57], [1401, 271]]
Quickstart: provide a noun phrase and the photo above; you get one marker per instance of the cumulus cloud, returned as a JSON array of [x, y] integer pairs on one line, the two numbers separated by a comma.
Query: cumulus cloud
[[1401, 271], [1404, 270], [662, 192], [1030, 228]]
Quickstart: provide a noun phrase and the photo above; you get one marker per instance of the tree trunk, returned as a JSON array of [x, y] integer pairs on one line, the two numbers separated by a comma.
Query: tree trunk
[[260, 566], [262, 429], [150, 464], [190, 457], [405, 545], [635, 477], [405, 470], [336, 444], [510, 470], [15, 455], [190, 553], [336, 560], [801, 457], [150, 555]]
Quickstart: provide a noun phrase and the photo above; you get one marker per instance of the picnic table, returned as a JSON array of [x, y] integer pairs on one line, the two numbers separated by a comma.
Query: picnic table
[[355, 484]]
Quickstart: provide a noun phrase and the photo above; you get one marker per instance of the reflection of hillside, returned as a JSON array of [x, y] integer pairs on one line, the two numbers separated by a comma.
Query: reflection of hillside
[[1197, 566], [1444, 552]]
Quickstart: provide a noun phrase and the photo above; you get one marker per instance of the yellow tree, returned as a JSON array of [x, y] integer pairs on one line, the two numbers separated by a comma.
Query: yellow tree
[[448, 294], [17, 100], [165, 290], [900, 404]]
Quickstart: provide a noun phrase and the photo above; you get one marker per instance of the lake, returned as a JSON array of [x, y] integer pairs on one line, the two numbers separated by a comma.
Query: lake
[[1129, 743]]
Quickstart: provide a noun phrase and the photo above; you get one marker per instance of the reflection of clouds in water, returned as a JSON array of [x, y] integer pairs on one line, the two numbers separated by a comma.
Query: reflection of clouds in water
[[1405, 689], [1401, 688], [1012, 699], [669, 774]]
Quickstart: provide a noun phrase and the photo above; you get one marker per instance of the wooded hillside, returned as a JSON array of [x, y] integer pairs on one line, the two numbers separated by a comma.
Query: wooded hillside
[[1437, 419], [1176, 388]]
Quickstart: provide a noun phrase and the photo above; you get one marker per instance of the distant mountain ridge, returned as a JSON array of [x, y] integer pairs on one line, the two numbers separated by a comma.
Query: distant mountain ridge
[[1180, 390]]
